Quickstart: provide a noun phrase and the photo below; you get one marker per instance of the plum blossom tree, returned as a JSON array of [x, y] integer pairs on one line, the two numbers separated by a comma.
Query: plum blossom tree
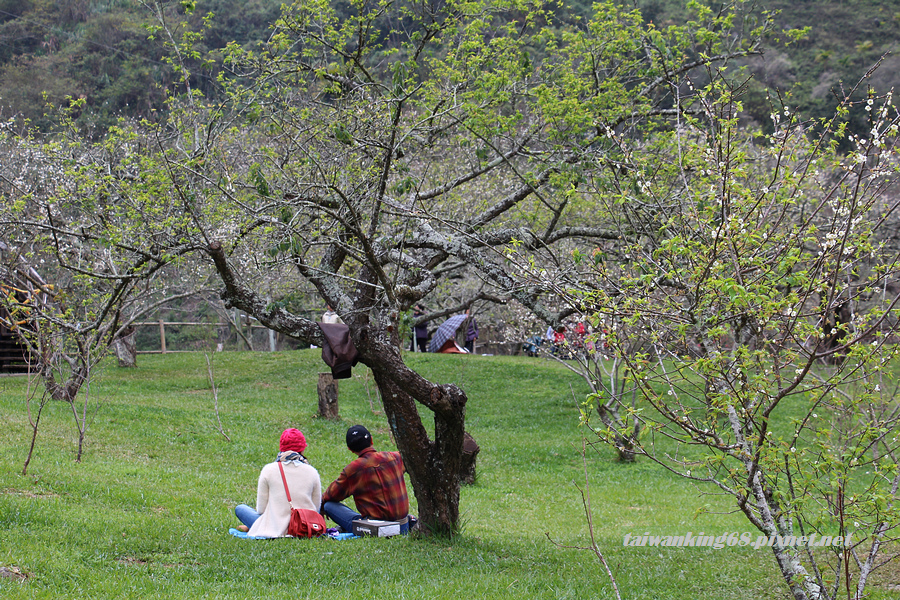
[[65, 295], [368, 158], [751, 299]]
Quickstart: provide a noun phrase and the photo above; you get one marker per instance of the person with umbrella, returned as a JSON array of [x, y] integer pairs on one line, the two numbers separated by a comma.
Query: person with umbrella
[[444, 340]]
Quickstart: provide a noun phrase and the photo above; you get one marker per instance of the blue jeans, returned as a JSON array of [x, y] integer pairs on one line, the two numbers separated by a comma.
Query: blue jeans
[[344, 517], [246, 515]]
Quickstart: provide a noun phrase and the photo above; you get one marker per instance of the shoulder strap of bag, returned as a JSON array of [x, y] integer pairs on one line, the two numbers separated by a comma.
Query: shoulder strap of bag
[[284, 481]]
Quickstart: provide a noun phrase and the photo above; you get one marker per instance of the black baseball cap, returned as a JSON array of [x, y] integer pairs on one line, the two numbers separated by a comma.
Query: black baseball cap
[[358, 438]]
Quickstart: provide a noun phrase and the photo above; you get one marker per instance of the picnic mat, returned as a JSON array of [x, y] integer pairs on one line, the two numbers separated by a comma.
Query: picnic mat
[[332, 533]]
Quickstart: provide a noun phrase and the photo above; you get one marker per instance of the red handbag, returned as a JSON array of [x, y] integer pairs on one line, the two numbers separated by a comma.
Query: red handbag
[[304, 523]]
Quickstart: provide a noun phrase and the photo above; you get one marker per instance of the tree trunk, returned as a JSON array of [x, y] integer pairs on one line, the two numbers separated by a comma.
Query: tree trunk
[[625, 445], [433, 466], [126, 351], [773, 523], [803, 587], [470, 454], [328, 396]]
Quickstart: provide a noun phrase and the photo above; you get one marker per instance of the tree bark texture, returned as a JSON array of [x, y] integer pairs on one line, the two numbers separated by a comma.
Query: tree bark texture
[[126, 351], [328, 396], [769, 518], [433, 466], [470, 454]]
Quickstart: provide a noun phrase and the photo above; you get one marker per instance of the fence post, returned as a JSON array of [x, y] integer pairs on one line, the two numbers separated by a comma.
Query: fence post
[[272, 345], [162, 336]]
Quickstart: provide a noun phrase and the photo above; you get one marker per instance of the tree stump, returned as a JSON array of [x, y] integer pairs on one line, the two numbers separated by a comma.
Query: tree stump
[[328, 396], [125, 348], [470, 452]]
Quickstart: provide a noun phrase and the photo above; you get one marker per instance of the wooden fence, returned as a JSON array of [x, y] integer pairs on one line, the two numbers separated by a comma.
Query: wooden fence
[[163, 348]]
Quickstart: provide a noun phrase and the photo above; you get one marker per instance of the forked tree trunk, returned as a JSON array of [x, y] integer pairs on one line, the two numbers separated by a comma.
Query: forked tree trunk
[[433, 465], [625, 444]]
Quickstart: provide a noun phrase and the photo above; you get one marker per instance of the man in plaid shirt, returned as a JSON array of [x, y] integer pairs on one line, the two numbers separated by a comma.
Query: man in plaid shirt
[[374, 479]]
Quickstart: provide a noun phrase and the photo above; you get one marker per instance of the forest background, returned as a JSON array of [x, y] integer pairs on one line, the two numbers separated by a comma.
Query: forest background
[[98, 50], [101, 52]]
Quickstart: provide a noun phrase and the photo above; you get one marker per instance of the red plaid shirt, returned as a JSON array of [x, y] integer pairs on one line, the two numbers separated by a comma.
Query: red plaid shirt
[[375, 480]]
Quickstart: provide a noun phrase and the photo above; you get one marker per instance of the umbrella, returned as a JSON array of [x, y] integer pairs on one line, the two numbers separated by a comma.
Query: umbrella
[[446, 331]]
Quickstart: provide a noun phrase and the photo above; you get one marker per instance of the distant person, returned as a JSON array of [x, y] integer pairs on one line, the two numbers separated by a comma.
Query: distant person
[[420, 332], [471, 334], [578, 334], [557, 338], [272, 514], [374, 479], [330, 316]]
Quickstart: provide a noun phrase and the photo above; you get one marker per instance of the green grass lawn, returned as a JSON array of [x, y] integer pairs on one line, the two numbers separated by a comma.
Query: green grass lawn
[[146, 514]]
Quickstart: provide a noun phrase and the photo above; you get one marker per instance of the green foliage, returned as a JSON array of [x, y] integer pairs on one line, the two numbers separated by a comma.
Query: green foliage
[[517, 147], [728, 300]]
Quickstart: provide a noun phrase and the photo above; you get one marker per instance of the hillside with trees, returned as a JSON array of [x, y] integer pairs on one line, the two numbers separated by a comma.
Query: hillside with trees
[[99, 51], [842, 43]]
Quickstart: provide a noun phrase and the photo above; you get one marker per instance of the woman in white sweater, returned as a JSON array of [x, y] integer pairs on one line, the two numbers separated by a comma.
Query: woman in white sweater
[[273, 511]]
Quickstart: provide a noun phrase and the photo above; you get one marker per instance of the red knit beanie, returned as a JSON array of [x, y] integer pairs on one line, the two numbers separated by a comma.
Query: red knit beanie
[[292, 439]]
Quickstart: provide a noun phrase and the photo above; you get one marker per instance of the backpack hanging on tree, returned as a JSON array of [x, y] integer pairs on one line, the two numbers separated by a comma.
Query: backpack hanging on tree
[[304, 523]]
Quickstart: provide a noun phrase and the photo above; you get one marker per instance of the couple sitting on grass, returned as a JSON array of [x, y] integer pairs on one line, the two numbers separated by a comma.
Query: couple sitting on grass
[[374, 479]]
